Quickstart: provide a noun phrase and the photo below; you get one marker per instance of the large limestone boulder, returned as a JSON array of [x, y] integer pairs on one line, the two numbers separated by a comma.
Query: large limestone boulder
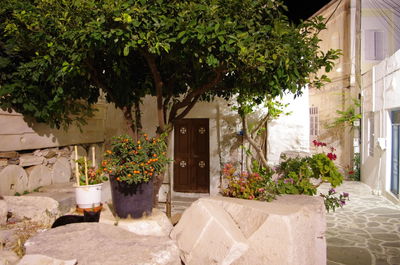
[[38, 259], [157, 224], [214, 237], [43, 210], [219, 230], [96, 243]]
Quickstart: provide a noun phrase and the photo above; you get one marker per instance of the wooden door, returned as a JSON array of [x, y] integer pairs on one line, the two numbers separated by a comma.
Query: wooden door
[[191, 155]]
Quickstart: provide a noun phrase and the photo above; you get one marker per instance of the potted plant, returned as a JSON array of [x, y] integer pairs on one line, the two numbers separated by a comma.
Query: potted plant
[[89, 181], [132, 166]]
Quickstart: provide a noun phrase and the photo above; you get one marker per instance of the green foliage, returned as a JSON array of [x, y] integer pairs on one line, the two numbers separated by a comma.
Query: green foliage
[[349, 116], [133, 161], [55, 56], [296, 174], [300, 175], [355, 173]]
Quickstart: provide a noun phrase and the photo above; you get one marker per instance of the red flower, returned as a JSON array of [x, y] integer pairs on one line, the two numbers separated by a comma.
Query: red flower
[[331, 156]]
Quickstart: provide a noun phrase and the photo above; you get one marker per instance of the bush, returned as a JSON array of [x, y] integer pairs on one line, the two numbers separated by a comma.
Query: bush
[[300, 175]]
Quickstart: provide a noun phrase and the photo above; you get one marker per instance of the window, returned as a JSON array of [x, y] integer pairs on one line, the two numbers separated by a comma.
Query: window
[[314, 125], [371, 135], [374, 45]]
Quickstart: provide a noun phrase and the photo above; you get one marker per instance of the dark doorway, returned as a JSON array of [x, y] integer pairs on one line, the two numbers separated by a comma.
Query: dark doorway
[[192, 156], [395, 167]]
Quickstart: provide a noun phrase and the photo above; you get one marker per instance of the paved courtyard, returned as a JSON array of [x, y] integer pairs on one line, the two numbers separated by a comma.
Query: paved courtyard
[[365, 231]]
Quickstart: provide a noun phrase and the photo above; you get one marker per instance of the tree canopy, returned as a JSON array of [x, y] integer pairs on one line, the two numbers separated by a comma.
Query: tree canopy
[[56, 56]]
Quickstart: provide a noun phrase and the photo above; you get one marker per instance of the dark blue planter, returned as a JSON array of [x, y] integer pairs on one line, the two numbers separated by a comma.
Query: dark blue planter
[[134, 200]]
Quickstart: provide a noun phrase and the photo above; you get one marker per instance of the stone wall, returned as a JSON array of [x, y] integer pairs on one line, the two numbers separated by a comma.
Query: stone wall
[[25, 171]]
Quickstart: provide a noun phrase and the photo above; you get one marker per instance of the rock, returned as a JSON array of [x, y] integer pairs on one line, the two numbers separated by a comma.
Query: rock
[[96, 243], [157, 224], [38, 259], [61, 171], [9, 155], [47, 153], [8, 238], [42, 210], [3, 162], [13, 179], [8, 257], [3, 211], [51, 160], [30, 160], [207, 235], [289, 230], [13, 161], [38, 176]]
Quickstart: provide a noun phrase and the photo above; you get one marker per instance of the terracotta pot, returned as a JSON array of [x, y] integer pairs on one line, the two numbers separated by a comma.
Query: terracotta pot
[[131, 200]]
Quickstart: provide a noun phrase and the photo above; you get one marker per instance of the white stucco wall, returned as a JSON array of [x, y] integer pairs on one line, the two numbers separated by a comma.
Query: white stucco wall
[[381, 95], [290, 133]]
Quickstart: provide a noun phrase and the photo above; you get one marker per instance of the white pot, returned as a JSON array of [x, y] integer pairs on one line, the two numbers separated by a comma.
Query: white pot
[[88, 196]]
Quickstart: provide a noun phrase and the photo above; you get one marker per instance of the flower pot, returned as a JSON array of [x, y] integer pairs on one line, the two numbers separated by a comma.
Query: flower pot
[[88, 196], [134, 200]]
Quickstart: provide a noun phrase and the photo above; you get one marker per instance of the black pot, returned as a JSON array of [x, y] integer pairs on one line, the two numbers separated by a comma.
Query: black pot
[[134, 200]]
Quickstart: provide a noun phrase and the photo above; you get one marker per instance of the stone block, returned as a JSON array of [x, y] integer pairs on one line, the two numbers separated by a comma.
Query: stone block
[[38, 176], [9, 155], [61, 171], [13, 179], [47, 153], [37, 259], [30, 160], [289, 230], [97, 243], [206, 234], [42, 210], [157, 224], [3, 211]]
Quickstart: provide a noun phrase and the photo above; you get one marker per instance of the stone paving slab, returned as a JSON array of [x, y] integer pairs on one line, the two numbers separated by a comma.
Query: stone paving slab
[[366, 231]]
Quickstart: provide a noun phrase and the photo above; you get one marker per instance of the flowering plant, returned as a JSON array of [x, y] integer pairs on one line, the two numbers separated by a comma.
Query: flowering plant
[[134, 161], [95, 176], [332, 201], [251, 186]]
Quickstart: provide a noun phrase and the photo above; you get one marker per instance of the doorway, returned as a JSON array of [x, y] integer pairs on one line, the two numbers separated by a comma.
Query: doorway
[[395, 167], [192, 156]]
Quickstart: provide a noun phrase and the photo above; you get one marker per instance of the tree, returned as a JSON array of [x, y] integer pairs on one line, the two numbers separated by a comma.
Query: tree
[[56, 55]]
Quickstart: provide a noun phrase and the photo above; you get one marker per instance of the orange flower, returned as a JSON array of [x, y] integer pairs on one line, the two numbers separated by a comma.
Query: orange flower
[[129, 175], [109, 152], [155, 155]]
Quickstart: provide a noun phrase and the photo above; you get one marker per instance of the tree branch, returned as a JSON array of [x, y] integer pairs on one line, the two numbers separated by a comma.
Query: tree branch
[[252, 142], [158, 83], [195, 93]]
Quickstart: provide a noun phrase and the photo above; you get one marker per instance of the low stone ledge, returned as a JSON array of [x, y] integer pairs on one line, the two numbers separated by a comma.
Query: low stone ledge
[[289, 230], [38, 259], [157, 224]]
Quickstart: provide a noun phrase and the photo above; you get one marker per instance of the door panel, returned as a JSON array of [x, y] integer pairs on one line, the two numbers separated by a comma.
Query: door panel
[[191, 155]]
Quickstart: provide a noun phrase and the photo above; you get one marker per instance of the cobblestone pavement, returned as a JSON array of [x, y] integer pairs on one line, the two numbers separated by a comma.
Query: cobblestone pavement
[[366, 231]]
